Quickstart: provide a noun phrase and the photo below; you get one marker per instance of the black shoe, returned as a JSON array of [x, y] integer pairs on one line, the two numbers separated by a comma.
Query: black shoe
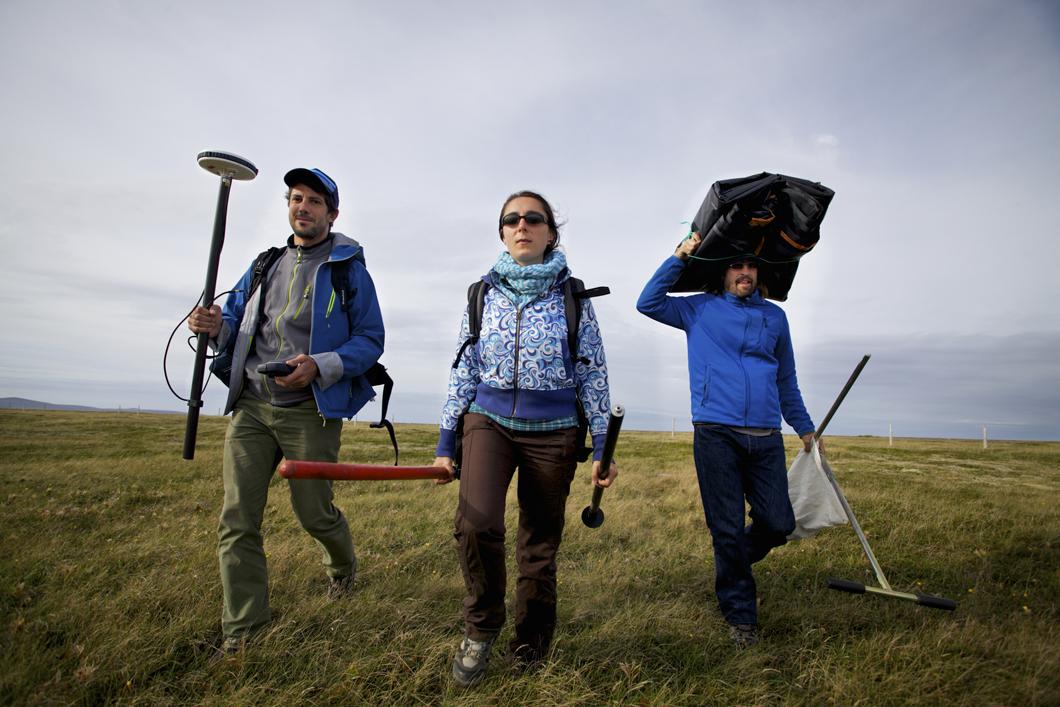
[[523, 659], [340, 587], [743, 635], [471, 660]]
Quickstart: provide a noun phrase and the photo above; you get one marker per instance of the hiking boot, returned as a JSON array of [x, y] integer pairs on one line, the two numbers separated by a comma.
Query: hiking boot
[[743, 635], [339, 587], [230, 647], [471, 660]]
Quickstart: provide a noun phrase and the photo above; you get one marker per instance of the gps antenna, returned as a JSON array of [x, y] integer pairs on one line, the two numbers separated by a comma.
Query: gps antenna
[[228, 167]]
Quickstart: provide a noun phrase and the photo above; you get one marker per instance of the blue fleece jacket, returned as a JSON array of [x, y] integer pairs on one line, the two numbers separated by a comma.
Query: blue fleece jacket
[[741, 367], [343, 345]]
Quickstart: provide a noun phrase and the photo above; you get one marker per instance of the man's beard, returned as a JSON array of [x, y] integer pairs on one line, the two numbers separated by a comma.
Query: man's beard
[[311, 233]]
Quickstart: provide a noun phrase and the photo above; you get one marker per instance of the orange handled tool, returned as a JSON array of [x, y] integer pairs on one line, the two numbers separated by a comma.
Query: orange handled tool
[[358, 472]]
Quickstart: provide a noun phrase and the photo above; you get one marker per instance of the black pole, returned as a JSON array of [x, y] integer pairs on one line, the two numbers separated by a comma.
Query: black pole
[[842, 394], [195, 398], [592, 516]]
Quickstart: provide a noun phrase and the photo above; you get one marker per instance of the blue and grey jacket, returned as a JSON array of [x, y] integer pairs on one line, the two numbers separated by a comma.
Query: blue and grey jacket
[[521, 366], [741, 368], [343, 345]]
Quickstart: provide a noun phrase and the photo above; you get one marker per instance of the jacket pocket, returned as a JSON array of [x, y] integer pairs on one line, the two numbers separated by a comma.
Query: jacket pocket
[[767, 340], [704, 386]]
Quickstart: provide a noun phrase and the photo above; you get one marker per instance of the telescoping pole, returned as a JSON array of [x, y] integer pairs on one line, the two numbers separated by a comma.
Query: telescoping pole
[[228, 167], [592, 516]]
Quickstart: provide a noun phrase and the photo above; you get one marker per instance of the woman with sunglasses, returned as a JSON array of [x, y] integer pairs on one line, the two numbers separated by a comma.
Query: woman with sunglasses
[[518, 392]]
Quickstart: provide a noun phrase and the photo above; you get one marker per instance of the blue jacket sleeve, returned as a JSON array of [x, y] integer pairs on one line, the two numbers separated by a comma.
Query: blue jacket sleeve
[[463, 382], [233, 310], [363, 347], [593, 391], [791, 404], [367, 334], [655, 303]]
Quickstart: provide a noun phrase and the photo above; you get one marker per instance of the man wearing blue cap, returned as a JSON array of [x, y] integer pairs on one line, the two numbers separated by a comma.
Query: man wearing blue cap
[[312, 305], [742, 377]]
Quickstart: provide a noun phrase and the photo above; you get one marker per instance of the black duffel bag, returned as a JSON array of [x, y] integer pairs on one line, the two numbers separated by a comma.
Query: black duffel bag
[[771, 217]]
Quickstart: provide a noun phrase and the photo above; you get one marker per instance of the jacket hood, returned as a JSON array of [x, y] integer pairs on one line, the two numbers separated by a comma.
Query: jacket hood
[[344, 247]]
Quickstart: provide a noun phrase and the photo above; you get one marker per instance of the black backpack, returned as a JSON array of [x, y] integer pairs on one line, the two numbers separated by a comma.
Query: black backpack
[[573, 290], [221, 365]]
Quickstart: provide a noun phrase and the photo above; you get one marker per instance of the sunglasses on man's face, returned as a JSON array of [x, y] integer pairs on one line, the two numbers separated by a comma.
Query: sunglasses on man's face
[[533, 218], [742, 265]]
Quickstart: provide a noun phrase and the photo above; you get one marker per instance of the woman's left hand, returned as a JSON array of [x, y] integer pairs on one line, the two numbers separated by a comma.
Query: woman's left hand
[[447, 464], [611, 474]]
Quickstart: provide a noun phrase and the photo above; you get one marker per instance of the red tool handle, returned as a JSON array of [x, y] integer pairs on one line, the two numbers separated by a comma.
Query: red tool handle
[[358, 472]]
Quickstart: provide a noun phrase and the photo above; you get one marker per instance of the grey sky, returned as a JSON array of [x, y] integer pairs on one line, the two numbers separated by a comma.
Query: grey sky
[[937, 124]]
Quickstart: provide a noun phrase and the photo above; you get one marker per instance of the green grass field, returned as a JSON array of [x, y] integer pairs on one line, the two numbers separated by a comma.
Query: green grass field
[[109, 590]]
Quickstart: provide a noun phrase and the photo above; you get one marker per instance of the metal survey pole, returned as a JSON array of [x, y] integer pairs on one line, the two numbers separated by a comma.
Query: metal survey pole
[[228, 167]]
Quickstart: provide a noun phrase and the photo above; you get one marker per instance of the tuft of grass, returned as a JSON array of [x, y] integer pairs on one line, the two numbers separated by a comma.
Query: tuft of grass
[[109, 589]]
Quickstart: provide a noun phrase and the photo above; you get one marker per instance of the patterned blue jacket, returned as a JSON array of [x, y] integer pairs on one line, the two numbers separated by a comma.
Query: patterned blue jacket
[[521, 367]]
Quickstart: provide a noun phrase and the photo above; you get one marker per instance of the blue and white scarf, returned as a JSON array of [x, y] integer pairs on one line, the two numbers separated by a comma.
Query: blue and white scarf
[[523, 283]]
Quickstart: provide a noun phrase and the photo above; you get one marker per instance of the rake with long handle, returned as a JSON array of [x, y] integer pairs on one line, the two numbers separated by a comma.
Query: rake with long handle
[[844, 585]]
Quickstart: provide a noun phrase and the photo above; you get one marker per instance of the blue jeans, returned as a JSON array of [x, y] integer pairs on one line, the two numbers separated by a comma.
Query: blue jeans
[[730, 466]]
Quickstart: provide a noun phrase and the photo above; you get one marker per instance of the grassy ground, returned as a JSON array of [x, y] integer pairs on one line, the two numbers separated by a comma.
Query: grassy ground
[[109, 589]]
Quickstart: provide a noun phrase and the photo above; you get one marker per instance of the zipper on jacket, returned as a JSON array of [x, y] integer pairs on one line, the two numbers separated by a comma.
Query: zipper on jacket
[[746, 378], [331, 303], [515, 369], [290, 289], [305, 297]]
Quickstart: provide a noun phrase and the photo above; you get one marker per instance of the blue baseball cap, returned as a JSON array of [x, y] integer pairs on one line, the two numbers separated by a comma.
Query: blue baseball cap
[[318, 181]]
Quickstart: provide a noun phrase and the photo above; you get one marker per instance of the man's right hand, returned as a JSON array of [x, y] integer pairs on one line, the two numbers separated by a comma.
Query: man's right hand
[[208, 321], [688, 246], [447, 463]]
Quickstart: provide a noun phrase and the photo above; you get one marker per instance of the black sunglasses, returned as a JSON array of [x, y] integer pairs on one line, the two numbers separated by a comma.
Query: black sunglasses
[[743, 264], [533, 218]]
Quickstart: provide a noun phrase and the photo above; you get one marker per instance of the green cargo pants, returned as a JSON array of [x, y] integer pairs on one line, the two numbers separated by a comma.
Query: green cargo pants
[[258, 435]]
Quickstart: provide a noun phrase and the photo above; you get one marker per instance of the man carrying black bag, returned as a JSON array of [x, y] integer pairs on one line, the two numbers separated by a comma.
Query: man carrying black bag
[[301, 340], [742, 378]]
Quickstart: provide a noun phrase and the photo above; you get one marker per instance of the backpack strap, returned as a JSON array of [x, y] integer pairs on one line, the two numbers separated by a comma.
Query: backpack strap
[[377, 375], [221, 362], [340, 281], [476, 302], [262, 264], [573, 292], [574, 289]]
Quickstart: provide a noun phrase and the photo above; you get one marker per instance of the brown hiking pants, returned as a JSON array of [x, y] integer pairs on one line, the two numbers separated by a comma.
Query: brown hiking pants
[[546, 463]]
